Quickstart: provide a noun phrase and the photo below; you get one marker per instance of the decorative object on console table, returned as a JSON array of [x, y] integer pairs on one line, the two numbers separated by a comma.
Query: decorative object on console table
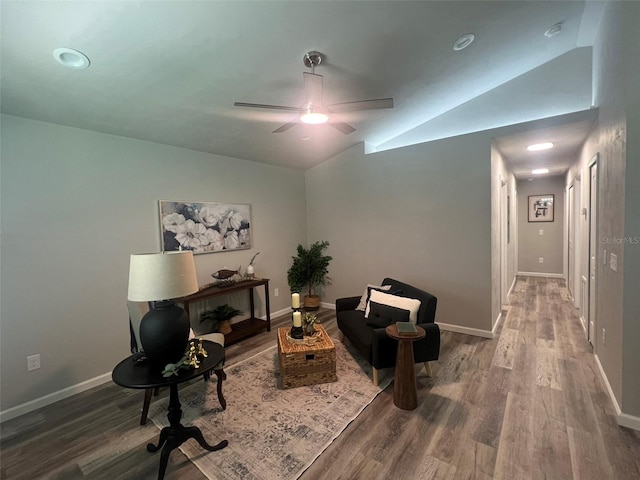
[[221, 318], [310, 270], [160, 278], [205, 227], [225, 277], [250, 270], [244, 328]]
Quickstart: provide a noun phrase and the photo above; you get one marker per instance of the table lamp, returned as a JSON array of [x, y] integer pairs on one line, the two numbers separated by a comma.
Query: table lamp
[[160, 278]]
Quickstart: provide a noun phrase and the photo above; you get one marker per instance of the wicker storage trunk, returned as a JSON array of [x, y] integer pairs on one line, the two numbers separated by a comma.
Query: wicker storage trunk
[[302, 364]]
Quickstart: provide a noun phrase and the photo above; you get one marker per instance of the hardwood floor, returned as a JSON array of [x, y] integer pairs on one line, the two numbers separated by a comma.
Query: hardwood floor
[[528, 404]]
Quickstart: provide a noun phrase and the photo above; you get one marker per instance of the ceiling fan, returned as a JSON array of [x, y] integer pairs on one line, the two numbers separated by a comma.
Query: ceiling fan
[[314, 111]]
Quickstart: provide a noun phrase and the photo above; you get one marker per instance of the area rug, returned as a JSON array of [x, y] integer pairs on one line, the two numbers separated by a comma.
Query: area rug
[[272, 433]]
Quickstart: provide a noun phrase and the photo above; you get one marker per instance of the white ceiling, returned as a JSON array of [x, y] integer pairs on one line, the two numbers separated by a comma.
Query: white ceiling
[[169, 72]]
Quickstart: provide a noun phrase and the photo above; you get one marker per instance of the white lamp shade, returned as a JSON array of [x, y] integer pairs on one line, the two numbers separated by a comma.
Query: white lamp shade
[[161, 276]]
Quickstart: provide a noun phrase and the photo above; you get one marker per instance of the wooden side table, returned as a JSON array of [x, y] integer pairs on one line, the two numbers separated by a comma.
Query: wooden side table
[[245, 328], [130, 374], [405, 391]]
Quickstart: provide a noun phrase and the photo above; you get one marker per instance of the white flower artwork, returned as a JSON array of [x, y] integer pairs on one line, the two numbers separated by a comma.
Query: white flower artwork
[[205, 227]]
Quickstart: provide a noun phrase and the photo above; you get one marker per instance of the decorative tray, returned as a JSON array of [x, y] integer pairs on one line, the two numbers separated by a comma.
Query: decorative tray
[[307, 340]]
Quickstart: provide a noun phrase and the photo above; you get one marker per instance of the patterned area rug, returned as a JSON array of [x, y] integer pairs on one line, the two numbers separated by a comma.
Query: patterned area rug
[[272, 433]]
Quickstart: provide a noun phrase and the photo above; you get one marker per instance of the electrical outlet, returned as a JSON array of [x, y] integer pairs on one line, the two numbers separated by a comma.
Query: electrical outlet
[[540, 260], [276, 292], [541, 232], [604, 336], [33, 362]]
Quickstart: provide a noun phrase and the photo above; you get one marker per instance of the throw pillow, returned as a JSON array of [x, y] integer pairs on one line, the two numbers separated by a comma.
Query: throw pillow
[[365, 296], [411, 304], [381, 315]]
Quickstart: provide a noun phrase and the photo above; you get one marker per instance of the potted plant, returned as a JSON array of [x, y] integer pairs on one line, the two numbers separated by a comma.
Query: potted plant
[[310, 270], [220, 318], [308, 323]]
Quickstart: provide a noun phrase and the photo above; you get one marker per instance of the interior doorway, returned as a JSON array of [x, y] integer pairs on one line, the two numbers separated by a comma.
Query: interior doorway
[[593, 248]]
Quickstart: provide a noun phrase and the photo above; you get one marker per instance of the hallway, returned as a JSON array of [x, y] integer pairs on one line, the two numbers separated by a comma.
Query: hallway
[[557, 404]]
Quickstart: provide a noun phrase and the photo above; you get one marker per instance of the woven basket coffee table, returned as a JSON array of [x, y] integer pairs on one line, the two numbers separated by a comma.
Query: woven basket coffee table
[[306, 362]]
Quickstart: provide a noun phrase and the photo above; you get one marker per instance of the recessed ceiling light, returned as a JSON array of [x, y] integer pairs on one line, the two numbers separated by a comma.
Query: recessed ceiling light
[[540, 171], [71, 58], [464, 41], [554, 30], [540, 146]]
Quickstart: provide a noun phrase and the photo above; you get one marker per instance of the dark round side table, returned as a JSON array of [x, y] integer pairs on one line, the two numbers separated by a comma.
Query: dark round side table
[[405, 391], [130, 374]]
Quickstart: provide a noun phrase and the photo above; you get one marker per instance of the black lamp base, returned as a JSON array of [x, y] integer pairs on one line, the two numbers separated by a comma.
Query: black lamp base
[[164, 333]]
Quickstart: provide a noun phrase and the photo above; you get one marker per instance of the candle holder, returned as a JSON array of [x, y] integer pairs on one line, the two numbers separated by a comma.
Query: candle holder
[[296, 332]]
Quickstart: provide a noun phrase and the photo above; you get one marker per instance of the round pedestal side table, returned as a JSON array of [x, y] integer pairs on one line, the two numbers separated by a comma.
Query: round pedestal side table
[[130, 374], [405, 392]]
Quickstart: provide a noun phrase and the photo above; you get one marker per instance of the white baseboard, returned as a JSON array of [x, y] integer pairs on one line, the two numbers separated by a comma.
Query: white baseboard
[[496, 324], [330, 306], [513, 284], [466, 330], [541, 274], [623, 419], [32, 405]]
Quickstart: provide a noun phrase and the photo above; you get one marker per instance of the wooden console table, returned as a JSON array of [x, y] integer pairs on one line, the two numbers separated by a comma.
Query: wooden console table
[[245, 328]]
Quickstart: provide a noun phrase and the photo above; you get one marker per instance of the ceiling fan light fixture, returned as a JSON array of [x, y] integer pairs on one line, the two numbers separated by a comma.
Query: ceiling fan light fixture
[[313, 116], [536, 147]]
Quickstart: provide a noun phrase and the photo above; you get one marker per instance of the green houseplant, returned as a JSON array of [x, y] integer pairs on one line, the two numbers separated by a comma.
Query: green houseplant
[[220, 318], [310, 270]]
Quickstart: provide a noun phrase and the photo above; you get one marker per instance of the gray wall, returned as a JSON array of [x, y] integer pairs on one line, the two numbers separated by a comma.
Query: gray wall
[[75, 204], [549, 245], [616, 139], [618, 73], [502, 173], [420, 214]]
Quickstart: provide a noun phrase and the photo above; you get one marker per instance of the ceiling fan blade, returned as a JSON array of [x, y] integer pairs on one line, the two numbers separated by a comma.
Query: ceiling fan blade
[[343, 127], [313, 88], [285, 127], [361, 105], [260, 105]]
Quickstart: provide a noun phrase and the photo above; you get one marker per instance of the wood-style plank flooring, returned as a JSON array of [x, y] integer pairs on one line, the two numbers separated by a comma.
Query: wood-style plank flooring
[[528, 404]]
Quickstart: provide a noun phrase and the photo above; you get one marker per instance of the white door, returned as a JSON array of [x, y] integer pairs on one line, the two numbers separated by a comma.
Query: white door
[[504, 287], [593, 248], [571, 241]]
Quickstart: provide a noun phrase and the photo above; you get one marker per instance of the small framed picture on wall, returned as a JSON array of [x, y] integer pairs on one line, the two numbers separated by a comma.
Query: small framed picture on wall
[[541, 208]]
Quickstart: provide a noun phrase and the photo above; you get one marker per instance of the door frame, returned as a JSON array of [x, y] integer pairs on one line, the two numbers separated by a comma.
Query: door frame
[[594, 182]]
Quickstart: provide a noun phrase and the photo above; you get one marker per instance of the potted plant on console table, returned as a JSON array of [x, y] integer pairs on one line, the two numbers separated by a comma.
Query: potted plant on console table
[[310, 270]]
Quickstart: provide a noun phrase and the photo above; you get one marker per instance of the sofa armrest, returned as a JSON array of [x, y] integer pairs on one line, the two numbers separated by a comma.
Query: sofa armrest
[[347, 303]]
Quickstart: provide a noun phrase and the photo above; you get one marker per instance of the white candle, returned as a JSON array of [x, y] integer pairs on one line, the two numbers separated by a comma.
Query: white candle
[[295, 300], [297, 319]]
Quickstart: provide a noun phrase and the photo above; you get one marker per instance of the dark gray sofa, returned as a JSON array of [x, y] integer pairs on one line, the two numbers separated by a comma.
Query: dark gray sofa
[[372, 341]]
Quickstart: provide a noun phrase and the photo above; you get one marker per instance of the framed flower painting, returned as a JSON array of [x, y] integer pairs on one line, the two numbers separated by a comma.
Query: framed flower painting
[[204, 227]]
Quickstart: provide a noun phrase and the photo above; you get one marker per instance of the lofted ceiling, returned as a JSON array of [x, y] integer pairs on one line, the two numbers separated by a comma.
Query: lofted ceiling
[[170, 72]]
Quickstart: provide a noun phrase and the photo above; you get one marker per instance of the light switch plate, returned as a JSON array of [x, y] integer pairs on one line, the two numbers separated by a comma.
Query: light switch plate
[[541, 232], [613, 262]]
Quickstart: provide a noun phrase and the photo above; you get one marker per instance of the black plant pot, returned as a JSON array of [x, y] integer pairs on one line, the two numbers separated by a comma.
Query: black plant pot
[[164, 333]]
